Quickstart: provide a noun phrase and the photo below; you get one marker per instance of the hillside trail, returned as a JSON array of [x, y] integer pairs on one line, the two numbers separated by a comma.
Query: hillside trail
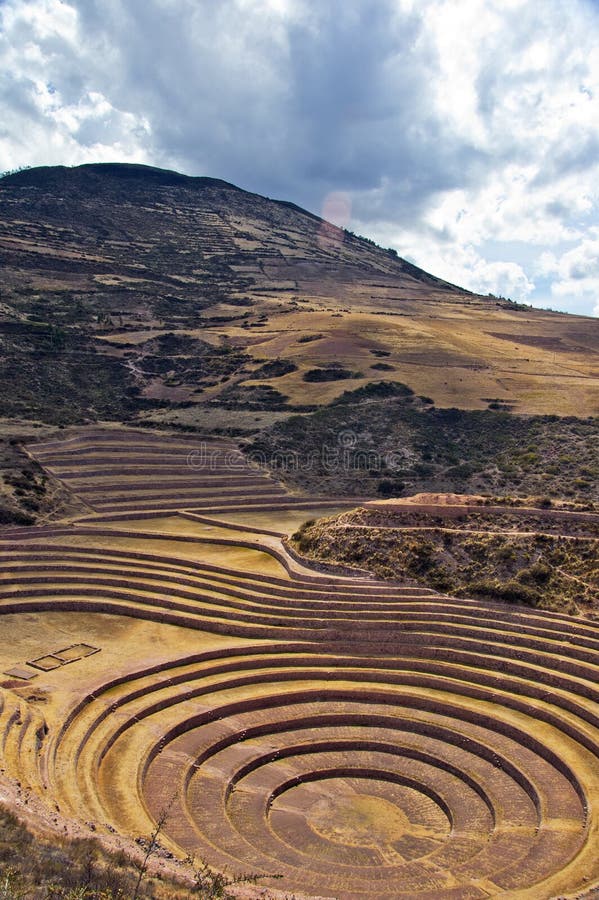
[[480, 533]]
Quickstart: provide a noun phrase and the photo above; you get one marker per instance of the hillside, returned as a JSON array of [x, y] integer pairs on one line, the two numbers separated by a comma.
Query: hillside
[[546, 556], [194, 302], [383, 440]]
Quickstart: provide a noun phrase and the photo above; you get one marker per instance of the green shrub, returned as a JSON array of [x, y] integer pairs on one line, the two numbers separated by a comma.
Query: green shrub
[[390, 488], [307, 338], [539, 573], [332, 372]]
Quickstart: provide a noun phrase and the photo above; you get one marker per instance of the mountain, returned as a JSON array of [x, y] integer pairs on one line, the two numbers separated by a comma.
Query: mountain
[[196, 236], [132, 291]]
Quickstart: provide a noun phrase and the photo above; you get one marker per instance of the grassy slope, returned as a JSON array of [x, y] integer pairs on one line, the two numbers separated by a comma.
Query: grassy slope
[[384, 440], [30, 867], [69, 869], [492, 556], [99, 260], [27, 493]]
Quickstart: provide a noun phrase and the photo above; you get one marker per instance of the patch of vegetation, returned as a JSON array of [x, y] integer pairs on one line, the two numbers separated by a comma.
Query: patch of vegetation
[[397, 436], [307, 338], [376, 390], [31, 867], [523, 559], [82, 869], [332, 372], [275, 368], [496, 404], [259, 396], [186, 360], [240, 301], [26, 491], [390, 487], [57, 375], [301, 536]]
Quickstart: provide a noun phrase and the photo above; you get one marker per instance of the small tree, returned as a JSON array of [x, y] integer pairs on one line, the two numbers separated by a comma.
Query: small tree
[[151, 848]]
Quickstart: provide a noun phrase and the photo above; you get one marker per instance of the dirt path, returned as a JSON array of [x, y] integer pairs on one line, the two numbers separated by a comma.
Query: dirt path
[[482, 533]]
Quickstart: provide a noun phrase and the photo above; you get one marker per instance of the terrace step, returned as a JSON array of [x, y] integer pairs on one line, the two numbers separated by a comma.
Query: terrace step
[[465, 734]]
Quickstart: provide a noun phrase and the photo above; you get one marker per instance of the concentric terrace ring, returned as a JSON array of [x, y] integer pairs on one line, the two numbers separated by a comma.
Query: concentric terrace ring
[[359, 738]]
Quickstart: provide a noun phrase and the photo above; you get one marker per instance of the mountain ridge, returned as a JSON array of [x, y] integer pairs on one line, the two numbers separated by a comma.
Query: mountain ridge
[[43, 177]]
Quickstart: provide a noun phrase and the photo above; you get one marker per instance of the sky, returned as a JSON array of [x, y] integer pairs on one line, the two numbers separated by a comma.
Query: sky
[[462, 133]]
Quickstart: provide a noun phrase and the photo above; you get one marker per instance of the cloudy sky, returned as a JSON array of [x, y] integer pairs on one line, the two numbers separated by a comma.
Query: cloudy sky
[[463, 133]]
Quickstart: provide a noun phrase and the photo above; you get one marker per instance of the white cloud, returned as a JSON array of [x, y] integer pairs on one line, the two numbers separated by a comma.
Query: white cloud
[[51, 115], [453, 127], [575, 272], [578, 263], [458, 263]]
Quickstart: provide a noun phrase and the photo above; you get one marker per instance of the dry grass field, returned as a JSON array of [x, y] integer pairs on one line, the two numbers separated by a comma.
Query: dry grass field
[[464, 352], [165, 648]]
